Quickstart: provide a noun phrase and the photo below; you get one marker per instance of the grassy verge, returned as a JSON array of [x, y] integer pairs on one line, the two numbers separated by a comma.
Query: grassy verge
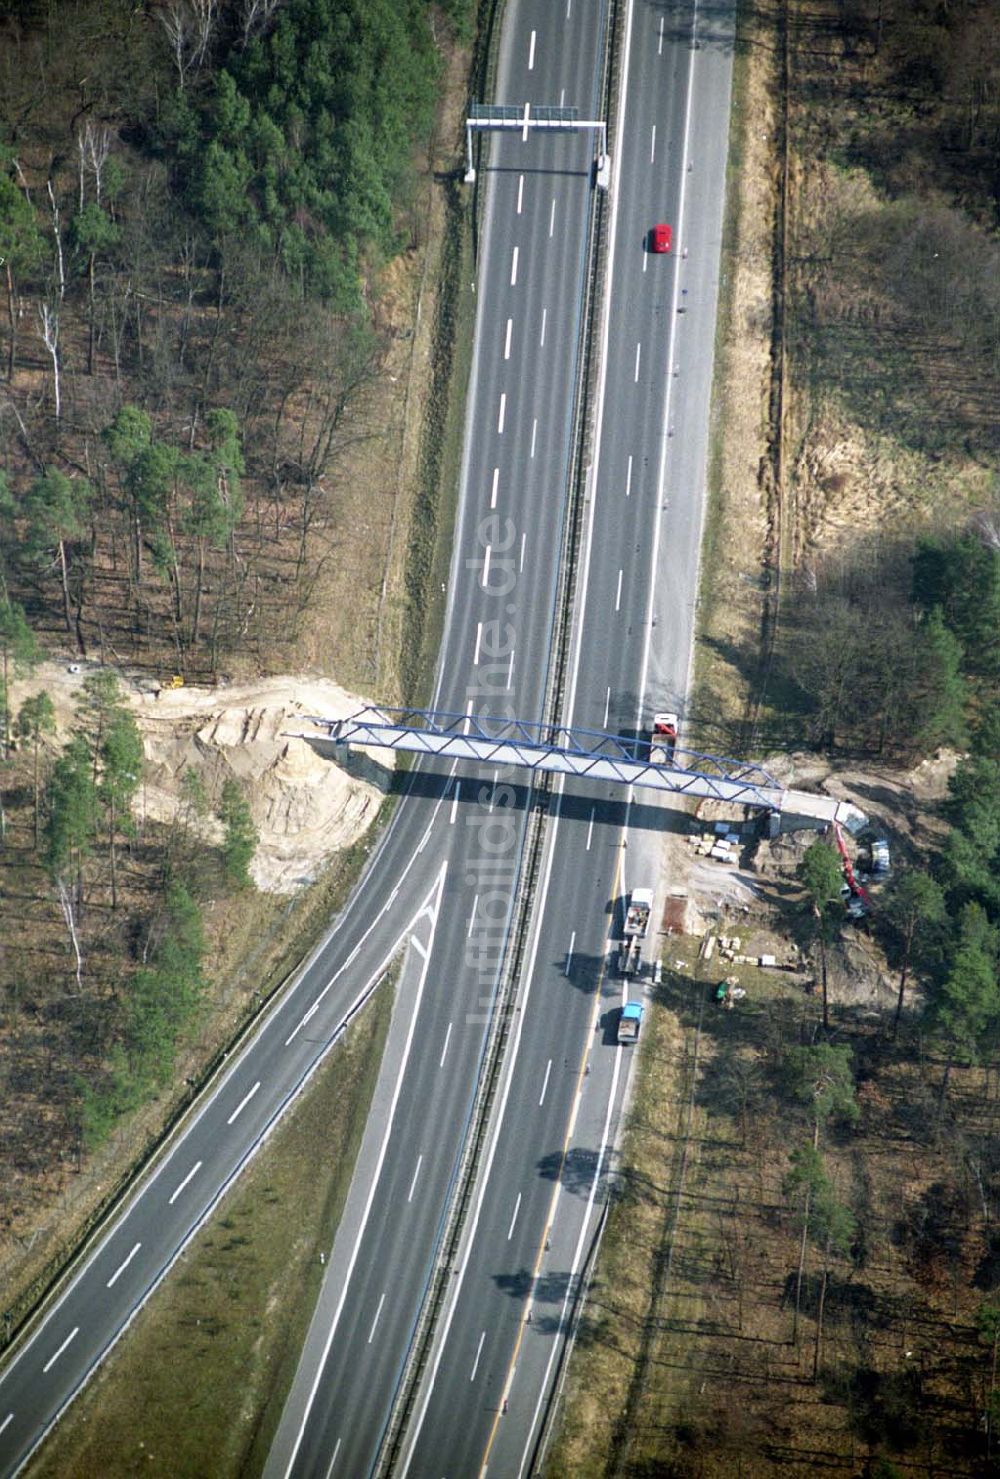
[[237, 1304], [436, 503]]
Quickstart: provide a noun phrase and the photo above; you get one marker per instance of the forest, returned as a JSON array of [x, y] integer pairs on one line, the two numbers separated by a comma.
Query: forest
[[206, 210]]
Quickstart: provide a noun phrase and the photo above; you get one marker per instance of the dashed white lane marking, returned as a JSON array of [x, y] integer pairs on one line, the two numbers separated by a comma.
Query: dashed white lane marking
[[53, 1359], [506, 347], [496, 484], [659, 49], [590, 829], [454, 803], [243, 1103], [607, 709], [486, 566], [552, 219], [336, 1450], [479, 639], [517, 1208], [520, 563], [416, 1173], [513, 268], [638, 353], [541, 342], [618, 594], [652, 146], [444, 1050], [475, 1364], [628, 477], [468, 716], [472, 916], [510, 671], [569, 7], [531, 53], [371, 1333], [493, 792], [569, 954], [7, 1421], [123, 1266], [193, 1172], [562, 97], [502, 417], [520, 193], [534, 433], [545, 1084]]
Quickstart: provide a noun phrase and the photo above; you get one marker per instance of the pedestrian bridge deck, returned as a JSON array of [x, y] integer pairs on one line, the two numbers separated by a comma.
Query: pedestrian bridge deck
[[587, 754]]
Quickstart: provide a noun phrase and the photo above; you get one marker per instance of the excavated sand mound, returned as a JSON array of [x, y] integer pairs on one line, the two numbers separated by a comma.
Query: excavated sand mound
[[305, 806]]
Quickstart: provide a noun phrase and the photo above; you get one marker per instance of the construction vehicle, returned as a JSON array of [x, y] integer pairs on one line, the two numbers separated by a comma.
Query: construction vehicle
[[638, 907], [629, 1022], [629, 952], [663, 740]]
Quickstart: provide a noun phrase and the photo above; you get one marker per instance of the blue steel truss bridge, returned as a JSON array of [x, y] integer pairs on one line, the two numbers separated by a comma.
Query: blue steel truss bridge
[[589, 755]]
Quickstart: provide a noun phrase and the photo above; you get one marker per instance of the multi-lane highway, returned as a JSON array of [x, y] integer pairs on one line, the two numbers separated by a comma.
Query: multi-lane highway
[[443, 876], [540, 1195], [439, 859]]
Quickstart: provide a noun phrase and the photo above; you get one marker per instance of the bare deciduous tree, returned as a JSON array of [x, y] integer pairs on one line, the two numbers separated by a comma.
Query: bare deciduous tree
[[50, 335], [189, 25], [257, 16]]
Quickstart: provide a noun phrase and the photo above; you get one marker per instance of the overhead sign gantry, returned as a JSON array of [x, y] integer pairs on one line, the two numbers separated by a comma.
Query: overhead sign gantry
[[489, 117]]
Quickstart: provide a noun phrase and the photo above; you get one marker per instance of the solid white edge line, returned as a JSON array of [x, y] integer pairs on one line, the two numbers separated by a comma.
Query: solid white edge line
[[397, 1090]]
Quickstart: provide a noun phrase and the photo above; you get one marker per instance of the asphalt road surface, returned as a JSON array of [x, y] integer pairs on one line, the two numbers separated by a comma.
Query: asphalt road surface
[[547, 1177], [442, 877], [445, 851]]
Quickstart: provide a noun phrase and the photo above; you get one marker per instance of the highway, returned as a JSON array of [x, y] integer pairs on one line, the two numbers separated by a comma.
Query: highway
[[541, 1193], [442, 878], [442, 855]]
